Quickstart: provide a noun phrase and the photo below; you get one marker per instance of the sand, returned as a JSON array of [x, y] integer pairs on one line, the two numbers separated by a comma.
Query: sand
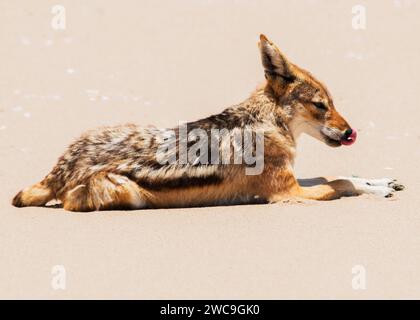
[[161, 62]]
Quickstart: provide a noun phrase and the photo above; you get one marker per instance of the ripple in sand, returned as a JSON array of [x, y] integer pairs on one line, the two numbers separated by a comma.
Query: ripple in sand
[[25, 41], [48, 43], [17, 109]]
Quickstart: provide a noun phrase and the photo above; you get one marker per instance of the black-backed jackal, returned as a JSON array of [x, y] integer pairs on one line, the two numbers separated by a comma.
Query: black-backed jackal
[[118, 167]]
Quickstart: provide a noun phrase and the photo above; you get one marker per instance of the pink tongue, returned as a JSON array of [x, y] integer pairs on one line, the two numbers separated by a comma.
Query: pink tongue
[[350, 139]]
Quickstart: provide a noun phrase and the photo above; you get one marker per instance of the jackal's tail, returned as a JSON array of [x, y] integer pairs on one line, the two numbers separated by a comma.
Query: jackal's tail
[[35, 196]]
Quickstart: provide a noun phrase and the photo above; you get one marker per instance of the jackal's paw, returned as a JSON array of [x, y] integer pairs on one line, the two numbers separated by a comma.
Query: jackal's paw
[[381, 187], [386, 182], [382, 191], [396, 186]]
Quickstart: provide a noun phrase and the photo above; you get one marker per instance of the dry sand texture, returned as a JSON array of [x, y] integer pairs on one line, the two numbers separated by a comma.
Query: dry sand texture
[[160, 62]]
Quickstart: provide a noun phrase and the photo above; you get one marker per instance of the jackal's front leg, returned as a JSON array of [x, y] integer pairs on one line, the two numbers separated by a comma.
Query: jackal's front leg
[[331, 188], [328, 190], [334, 188]]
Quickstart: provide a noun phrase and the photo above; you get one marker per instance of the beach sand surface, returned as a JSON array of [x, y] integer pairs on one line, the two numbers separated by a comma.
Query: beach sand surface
[[163, 62]]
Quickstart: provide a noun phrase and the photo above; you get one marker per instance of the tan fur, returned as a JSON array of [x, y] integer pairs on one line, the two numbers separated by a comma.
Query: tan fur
[[117, 167], [105, 191], [37, 195]]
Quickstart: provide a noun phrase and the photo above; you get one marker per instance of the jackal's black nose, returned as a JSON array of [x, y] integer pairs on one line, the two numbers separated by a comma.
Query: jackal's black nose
[[348, 133], [349, 137]]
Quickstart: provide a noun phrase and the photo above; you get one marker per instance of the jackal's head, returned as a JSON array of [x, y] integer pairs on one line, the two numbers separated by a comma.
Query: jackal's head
[[306, 101]]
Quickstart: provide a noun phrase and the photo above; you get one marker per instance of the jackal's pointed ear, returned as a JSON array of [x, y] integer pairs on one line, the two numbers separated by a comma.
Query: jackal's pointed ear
[[274, 62]]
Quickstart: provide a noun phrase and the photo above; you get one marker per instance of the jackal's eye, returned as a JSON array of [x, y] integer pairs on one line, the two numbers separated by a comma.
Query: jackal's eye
[[320, 105]]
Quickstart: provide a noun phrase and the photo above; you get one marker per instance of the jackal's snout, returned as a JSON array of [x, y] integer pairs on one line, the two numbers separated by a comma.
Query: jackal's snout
[[340, 130], [335, 137]]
